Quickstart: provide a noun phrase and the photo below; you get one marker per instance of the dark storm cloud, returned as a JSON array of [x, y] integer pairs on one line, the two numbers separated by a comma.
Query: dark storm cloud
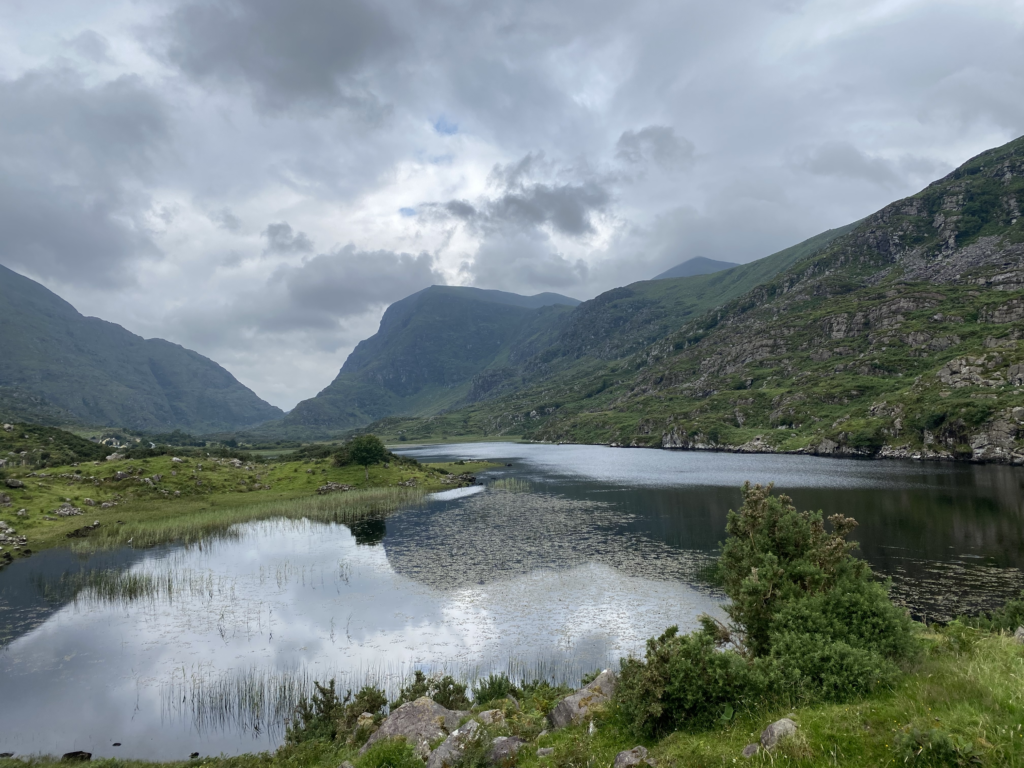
[[282, 239], [655, 143], [75, 159], [519, 203], [308, 53]]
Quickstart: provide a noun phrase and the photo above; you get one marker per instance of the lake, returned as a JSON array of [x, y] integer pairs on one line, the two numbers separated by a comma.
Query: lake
[[556, 565]]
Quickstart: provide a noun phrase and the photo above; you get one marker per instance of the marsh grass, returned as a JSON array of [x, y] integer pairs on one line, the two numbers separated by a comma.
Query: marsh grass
[[194, 526], [512, 485]]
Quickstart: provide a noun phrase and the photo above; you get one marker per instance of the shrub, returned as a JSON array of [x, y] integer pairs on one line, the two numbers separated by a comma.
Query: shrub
[[446, 691], [1005, 619], [326, 717], [808, 623], [492, 688], [390, 753]]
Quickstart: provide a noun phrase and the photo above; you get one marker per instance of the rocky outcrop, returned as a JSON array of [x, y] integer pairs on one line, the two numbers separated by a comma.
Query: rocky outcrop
[[576, 707], [449, 753], [631, 758], [419, 722], [504, 749]]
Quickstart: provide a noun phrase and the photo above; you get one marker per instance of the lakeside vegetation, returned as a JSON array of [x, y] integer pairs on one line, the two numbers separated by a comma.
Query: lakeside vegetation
[[152, 496]]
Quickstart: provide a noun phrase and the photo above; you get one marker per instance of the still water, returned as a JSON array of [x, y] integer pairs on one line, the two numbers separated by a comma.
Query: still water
[[558, 564]]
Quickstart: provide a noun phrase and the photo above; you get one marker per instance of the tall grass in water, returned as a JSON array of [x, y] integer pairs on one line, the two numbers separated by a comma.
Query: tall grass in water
[[512, 485], [109, 586], [257, 700], [191, 527]]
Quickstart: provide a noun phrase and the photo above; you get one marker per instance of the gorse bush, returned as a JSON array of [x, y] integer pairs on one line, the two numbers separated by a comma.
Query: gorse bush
[[808, 623], [492, 688], [326, 717]]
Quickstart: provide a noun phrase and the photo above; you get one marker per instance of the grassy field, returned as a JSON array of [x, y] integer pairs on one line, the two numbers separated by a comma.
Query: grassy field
[[961, 704], [154, 500]]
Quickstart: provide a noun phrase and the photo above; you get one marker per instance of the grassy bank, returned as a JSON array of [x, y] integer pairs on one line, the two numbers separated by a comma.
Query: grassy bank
[[960, 704], [155, 500]]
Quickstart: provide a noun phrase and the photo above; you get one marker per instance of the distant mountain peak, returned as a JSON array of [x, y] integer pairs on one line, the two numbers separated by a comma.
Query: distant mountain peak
[[698, 265]]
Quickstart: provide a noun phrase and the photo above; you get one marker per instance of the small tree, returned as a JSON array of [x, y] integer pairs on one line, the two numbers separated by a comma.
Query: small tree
[[366, 450]]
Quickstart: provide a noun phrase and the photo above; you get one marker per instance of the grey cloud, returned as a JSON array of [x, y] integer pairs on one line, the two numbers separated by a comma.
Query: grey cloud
[[91, 46], [308, 53], [75, 160], [840, 158], [655, 143], [348, 282], [282, 239], [524, 263], [225, 219]]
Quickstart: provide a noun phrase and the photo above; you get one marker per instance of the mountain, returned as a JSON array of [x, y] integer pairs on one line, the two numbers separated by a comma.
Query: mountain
[[698, 265], [430, 348], [60, 367], [902, 336]]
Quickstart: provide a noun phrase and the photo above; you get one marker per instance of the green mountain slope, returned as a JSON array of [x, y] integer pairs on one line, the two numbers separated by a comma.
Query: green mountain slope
[[902, 337], [698, 265], [60, 366], [429, 349]]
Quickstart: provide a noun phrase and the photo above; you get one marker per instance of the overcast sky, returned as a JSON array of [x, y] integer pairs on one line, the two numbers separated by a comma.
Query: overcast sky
[[257, 180]]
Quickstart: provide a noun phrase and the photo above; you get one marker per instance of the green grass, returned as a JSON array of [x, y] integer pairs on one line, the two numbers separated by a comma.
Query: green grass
[[205, 497]]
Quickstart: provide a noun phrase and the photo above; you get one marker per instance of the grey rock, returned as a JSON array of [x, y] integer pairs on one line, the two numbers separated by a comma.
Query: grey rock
[[365, 720], [576, 707], [776, 732], [751, 749], [492, 717], [420, 722], [515, 702], [545, 752], [450, 751], [630, 758], [1019, 635], [504, 748], [10, 482]]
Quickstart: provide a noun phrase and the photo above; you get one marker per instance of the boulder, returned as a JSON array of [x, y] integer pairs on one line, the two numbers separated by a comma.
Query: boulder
[[1019, 635], [776, 732], [10, 482], [504, 748], [450, 751], [576, 707], [751, 749], [492, 717], [630, 758], [420, 722], [5, 500]]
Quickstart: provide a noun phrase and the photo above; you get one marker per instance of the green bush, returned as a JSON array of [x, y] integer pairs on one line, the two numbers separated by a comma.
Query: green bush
[[933, 748], [492, 688], [1005, 619], [390, 753], [446, 691], [808, 623], [326, 717]]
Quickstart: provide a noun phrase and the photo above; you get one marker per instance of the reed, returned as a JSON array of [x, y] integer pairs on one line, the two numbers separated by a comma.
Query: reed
[[191, 527], [512, 485]]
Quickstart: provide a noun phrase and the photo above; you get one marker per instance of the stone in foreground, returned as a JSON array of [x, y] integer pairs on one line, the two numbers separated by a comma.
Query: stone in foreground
[[631, 758], [751, 749], [776, 732], [419, 722], [504, 748], [449, 753], [576, 707]]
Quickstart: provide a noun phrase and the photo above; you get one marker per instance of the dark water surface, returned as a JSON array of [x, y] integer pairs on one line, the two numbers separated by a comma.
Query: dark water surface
[[560, 563]]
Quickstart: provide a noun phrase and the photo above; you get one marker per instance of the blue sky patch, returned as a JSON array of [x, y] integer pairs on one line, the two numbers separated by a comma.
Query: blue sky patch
[[407, 211], [445, 127]]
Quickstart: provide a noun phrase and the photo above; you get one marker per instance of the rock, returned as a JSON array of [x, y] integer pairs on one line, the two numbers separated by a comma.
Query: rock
[[10, 482], [5, 500], [89, 502], [492, 717], [1019, 635], [330, 487], [450, 751], [504, 748], [545, 752], [115, 457], [346, 764], [78, 756], [420, 722], [515, 702], [751, 749], [576, 707], [776, 732], [365, 720], [6, 754], [631, 758], [193, 756], [175, 460]]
